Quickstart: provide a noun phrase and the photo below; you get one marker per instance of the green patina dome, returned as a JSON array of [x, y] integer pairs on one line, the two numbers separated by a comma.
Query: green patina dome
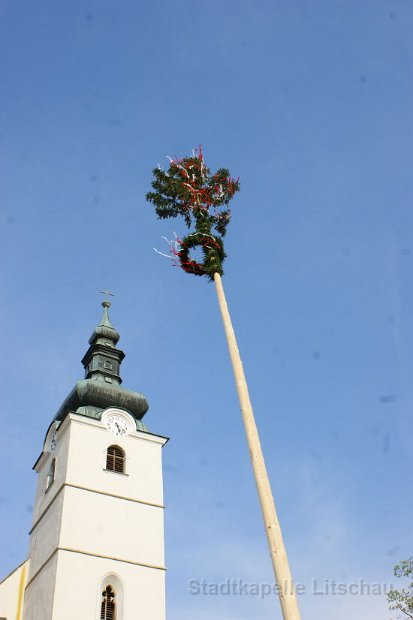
[[101, 387]]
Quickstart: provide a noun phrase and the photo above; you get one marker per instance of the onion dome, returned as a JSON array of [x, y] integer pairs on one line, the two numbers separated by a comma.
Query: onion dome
[[101, 387]]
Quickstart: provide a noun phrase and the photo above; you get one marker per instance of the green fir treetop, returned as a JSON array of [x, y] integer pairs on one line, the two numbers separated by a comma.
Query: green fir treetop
[[187, 188]]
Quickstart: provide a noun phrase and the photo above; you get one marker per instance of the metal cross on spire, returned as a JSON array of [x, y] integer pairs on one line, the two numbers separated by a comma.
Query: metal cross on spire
[[107, 292]]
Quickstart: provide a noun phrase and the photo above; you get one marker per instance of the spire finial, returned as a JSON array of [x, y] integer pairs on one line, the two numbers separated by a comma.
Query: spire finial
[[106, 303]]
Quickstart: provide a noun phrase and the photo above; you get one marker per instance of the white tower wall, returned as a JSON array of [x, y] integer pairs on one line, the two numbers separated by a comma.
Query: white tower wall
[[94, 527]]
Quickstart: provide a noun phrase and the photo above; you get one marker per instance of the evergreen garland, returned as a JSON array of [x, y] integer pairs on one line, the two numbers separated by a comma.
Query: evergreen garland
[[187, 188]]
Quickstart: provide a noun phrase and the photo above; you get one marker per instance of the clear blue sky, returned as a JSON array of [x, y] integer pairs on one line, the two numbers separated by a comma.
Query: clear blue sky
[[310, 103]]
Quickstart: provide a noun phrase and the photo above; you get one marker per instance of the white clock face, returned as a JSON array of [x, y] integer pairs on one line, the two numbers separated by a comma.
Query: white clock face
[[117, 425]]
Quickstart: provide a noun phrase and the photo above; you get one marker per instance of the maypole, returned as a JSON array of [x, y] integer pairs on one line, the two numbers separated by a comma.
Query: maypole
[[187, 188]]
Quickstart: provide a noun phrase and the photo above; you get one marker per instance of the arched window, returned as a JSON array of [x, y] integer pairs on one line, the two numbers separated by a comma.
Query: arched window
[[50, 475], [108, 606], [109, 601], [115, 459]]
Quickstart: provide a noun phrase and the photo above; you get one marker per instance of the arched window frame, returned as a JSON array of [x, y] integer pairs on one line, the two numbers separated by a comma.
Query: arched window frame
[[116, 583], [115, 459], [50, 474]]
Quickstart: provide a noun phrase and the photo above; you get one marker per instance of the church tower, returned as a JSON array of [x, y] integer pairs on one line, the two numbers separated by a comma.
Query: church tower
[[97, 538]]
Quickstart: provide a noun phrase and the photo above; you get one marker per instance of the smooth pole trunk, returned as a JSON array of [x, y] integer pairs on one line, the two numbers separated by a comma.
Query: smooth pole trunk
[[286, 590]]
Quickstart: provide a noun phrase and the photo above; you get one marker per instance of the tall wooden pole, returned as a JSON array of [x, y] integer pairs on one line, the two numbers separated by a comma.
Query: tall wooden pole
[[286, 590], [20, 596]]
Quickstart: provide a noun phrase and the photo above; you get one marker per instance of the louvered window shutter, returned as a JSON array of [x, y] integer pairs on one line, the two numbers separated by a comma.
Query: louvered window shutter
[[108, 607], [115, 459]]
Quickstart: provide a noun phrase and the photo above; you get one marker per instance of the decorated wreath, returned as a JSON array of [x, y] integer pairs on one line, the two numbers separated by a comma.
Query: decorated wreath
[[187, 188]]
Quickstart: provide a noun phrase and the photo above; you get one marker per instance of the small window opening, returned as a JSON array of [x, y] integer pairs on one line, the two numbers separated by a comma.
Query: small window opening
[[115, 459], [50, 475], [108, 607]]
